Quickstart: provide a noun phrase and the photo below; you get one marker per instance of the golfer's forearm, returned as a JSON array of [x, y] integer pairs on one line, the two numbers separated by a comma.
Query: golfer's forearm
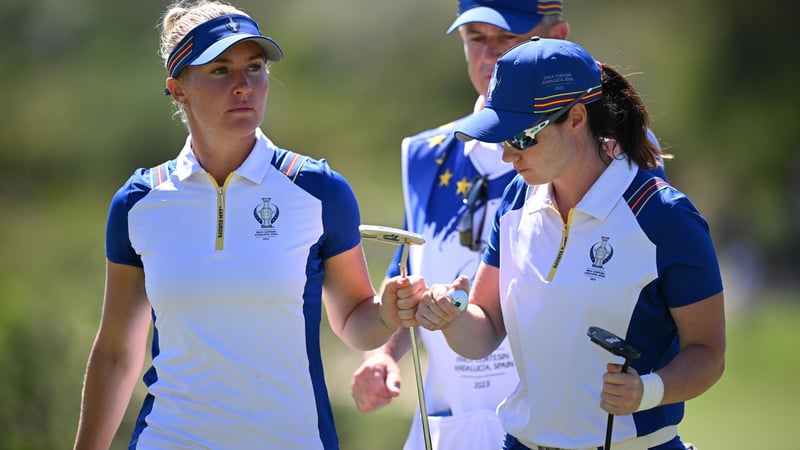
[[93, 435], [398, 344], [106, 393], [472, 335], [692, 372], [366, 328]]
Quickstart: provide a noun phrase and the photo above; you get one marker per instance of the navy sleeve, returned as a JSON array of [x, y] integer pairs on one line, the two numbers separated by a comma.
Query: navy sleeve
[[340, 215], [687, 261], [118, 245]]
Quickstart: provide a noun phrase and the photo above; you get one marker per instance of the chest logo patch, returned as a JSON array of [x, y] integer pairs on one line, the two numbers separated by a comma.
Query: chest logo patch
[[600, 253], [266, 214]]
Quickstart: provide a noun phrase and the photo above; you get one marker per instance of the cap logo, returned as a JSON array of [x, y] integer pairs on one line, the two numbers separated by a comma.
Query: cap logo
[[232, 25], [493, 85]]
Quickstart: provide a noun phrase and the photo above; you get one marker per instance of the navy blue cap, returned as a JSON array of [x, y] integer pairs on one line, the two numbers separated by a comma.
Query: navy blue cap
[[516, 16], [533, 79]]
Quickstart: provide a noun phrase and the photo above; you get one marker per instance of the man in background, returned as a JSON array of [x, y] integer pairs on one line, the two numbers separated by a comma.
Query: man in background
[[451, 191]]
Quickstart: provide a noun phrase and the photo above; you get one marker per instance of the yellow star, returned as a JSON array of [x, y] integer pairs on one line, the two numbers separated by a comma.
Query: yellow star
[[440, 161], [444, 179], [436, 140], [462, 187]]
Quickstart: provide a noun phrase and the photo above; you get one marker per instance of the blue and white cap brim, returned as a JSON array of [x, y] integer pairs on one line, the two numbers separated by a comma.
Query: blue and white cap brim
[[516, 22], [490, 125], [271, 49]]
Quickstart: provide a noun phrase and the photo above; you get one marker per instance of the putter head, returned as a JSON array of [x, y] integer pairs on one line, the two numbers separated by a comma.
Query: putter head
[[390, 235], [613, 343]]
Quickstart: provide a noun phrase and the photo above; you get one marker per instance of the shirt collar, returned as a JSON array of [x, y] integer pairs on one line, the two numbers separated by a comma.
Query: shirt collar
[[601, 198], [607, 191], [259, 162], [254, 167]]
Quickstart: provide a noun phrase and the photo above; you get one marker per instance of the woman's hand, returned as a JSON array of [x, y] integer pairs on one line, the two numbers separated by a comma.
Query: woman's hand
[[399, 299], [436, 311], [622, 391]]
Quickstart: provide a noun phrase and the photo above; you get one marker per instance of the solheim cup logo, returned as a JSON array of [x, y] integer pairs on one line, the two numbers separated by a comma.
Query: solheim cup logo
[[601, 252], [267, 214]]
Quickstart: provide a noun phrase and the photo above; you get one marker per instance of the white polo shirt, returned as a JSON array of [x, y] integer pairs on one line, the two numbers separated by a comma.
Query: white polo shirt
[[234, 276], [631, 249]]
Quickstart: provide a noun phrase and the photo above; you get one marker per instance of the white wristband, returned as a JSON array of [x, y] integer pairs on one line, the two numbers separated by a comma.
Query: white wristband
[[653, 391]]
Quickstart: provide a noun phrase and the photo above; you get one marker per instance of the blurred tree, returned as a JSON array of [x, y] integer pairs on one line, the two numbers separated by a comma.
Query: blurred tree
[[748, 117]]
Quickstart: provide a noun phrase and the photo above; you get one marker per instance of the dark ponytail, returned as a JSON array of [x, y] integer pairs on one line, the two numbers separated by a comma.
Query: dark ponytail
[[621, 115]]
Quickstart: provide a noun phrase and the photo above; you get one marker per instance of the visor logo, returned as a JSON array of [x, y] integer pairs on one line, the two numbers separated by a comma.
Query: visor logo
[[232, 25]]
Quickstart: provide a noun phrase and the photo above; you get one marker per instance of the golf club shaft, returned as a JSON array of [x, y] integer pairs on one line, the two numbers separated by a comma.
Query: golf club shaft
[[423, 409], [609, 427], [423, 412]]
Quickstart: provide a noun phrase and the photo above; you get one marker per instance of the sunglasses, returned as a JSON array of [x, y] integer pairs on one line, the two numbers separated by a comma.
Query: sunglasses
[[476, 197], [527, 138]]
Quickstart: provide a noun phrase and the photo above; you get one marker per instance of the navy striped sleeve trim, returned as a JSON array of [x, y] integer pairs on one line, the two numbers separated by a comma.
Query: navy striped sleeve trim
[[292, 164], [159, 174], [638, 198]]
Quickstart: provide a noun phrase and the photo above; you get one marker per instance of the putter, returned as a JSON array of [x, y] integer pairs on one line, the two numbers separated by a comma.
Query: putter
[[404, 238], [617, 346]]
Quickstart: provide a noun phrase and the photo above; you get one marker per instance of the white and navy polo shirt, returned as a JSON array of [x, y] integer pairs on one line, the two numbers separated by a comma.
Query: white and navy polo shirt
[[632, 248], [234, 276]]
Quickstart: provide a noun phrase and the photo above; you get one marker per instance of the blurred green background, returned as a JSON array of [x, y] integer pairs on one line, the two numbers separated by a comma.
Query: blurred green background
[[82, 108]]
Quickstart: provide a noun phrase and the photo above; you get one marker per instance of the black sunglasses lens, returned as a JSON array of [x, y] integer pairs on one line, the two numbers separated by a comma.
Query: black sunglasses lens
[[521, 141]]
